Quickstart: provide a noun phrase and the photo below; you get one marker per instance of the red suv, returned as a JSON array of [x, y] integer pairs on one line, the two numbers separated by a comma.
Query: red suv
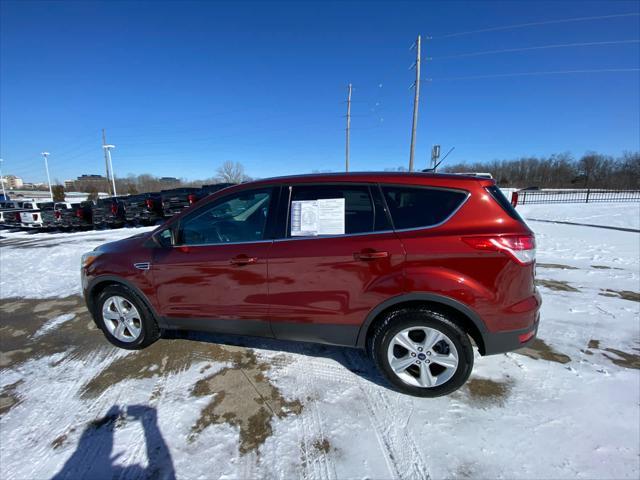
[[411, 267]]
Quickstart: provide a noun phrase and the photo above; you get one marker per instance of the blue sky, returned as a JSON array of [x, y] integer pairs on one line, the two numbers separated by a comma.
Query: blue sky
[[183, 86]]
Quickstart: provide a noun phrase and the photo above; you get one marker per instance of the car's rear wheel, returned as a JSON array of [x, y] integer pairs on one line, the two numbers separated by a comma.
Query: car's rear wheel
[[125, 319], [422, 352]]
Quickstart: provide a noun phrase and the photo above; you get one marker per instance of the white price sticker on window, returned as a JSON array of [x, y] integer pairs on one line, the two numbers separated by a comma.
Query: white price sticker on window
[[317, 217]]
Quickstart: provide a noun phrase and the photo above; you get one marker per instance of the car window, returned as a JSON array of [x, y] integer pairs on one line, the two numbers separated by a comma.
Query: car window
[[416, 207], [318, 210], [241, 217], [499, 197]]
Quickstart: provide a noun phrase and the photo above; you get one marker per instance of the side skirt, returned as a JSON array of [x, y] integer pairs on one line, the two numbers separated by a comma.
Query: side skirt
[[329, 334], [326, 333], [255, 328]]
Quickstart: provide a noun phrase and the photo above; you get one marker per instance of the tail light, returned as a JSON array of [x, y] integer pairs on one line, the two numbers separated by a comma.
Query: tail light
[[192, 198], [57, 214], [34, 216], [522, 248], [18, 218], [79, 213], [514, 199], [114, 208], [149, 203]]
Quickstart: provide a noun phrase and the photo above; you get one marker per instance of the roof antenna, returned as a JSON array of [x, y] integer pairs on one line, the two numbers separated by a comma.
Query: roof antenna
[[434, 169]]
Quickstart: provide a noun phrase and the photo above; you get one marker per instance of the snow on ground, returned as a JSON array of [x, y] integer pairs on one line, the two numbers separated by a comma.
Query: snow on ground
[[54, 323], [625, 215], [44, 265], [567, 408]]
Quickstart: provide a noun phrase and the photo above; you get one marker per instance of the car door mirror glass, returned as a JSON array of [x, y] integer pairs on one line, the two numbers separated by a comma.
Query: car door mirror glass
[[164, 239]]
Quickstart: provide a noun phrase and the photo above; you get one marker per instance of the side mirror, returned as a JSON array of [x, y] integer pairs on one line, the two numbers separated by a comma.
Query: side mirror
[[164, 239]]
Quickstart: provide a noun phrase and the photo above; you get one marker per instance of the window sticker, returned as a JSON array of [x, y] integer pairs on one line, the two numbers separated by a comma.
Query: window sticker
[[310, 218]]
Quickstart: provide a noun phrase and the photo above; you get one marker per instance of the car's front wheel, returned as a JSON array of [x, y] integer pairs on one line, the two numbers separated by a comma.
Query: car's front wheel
[[124, 319], [422, 352]]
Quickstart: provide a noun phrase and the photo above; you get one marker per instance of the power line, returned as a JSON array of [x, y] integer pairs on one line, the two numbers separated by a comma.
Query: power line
[[525, 74], [535, 24], [539, 47]]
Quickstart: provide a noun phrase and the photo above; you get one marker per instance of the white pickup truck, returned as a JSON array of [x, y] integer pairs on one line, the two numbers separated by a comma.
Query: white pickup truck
[[10, 213], [42, 214], [31, 217]]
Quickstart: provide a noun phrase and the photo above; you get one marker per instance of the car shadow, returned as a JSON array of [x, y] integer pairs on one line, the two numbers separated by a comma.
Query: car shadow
[[353, 359], [94, 459]]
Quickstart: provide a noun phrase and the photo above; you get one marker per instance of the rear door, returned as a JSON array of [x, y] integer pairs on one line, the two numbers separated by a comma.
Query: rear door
[[215, 276], [337, 259]]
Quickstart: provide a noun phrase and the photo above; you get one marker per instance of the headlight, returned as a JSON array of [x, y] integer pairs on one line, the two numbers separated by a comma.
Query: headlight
[[89, 257]]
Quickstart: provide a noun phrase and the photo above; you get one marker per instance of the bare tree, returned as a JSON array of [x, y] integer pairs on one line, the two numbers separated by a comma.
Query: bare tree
[[232, 172], [591, 166], [92, 193], [58, 193], [593, 170]]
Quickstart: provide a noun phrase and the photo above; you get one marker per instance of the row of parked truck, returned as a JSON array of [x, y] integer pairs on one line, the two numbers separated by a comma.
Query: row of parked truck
[[111, 212]]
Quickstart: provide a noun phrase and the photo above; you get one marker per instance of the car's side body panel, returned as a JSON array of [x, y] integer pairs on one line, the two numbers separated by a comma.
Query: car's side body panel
[[201, 282], [322, 282]]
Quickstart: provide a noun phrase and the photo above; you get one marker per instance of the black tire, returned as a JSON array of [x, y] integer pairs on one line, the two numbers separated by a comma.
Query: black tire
[[150, 332], [404, 318]]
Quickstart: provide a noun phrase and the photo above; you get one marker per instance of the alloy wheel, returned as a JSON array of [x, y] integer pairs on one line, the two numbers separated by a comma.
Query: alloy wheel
[[122, 319], [422, 357]]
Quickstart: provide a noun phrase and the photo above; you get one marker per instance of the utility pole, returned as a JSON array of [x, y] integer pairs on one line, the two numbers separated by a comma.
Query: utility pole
[[107, 149], [416, 99], [348, 128], [4, 194], [106, 160], [46, 166]]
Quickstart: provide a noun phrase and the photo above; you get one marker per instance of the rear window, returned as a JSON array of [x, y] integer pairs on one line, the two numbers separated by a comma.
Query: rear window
[[419, 207], [499, 197]]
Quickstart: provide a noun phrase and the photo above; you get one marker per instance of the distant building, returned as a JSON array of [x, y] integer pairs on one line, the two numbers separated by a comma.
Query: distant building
[[86, 181], [91, 178], [169, 180], [13, 182]]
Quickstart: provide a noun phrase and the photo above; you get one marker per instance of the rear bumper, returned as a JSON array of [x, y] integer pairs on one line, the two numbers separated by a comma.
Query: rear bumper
[[508, 341]]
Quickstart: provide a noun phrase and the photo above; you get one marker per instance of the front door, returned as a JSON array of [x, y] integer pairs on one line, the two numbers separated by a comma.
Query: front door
[[214, 277], [339, 259]]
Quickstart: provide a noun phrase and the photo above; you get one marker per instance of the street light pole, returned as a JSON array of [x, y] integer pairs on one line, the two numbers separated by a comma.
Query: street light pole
[[4, 194], [107, 149], [46, 166]]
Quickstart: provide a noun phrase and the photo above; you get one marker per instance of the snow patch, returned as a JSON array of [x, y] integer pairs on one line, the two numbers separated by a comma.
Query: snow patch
[[54, 323]]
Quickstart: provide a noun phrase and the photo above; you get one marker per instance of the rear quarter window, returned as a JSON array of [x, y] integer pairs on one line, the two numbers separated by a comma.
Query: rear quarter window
[[421, 207], [499, 197]]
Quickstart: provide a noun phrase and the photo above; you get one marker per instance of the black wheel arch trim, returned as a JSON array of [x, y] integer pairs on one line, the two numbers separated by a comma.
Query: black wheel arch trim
[[89, 297], [417, 297]]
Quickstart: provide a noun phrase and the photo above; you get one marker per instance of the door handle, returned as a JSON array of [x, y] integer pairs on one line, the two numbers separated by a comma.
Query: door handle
[[243, 260], [370, 255]]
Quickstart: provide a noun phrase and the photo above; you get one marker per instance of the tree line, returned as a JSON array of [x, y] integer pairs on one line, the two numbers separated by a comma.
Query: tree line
[[228, 172], [592, 170]]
